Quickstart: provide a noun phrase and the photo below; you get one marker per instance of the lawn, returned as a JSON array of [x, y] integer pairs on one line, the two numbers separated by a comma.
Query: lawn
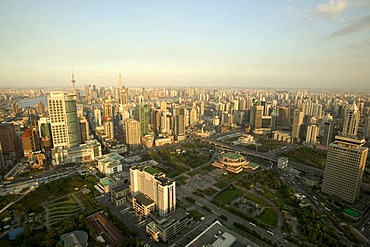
[[228, 195], [221, 184], [196, 215], [91, 206], [209, 191], [269, 217], [181, 179], [268, 194], [256, 199], [231, 139], [207, 168], [278, 203]]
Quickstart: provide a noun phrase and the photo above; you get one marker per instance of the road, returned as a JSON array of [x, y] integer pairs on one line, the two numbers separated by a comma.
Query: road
[[269, 156], [16, 186], [182, 192]]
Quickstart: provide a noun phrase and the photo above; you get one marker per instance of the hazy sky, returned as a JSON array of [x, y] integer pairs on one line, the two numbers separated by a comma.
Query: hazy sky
[[261, 43]]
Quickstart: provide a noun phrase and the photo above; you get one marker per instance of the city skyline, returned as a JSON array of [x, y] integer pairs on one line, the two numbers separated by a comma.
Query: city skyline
[[280, 44]]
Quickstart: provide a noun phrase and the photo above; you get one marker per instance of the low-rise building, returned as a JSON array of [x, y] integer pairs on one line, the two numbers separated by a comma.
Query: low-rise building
[[312, 180], [110, 163], [105, 229], [282, 162], [118, 148], [147, 141], [233, 162], [81, 154], [246, 139], [119, 194], [216, 235], [282, 136], [165, 228], [143, 205], [75, 239], [163, 141], [105, 184]]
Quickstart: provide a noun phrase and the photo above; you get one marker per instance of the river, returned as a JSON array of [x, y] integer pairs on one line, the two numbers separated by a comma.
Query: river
[[32, 102]]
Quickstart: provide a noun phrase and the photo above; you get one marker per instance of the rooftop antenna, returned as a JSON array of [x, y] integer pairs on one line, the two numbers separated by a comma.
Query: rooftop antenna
[[73, 83], [120, 82]]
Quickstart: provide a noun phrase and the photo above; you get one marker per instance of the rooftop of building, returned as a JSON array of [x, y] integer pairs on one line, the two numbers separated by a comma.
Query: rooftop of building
[[349, 140], [165, 181], [108, 158], [144, 199], [151, 170], [106, 181], [232, 156], [75, 238], [217, 235], [363, 204], [121, 187], [177, 215], [351, 212], [106, 229], [253, 165], [152, 225], [27, 133]]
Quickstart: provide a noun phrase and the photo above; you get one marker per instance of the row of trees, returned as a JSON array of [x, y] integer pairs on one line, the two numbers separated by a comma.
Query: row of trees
[[313, 229], [308, 156]]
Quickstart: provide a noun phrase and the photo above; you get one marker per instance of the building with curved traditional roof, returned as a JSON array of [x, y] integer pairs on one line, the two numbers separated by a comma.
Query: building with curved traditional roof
[[233, 162]]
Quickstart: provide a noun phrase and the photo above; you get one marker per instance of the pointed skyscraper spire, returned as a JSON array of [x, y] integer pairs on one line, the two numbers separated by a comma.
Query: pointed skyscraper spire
[[120, 82], [73, 83]]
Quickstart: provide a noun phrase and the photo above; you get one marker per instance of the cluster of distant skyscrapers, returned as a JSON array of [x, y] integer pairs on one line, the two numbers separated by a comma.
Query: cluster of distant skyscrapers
[[153, 117]]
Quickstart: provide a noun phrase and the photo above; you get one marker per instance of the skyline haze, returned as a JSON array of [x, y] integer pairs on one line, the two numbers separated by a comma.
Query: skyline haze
[[264, 44]]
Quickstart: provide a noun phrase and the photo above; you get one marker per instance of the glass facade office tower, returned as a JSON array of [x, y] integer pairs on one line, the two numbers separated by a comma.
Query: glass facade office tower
[[64, 122]]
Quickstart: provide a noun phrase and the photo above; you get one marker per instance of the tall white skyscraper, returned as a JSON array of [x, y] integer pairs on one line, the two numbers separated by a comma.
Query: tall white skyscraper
[[345, 165], [351, 121], [345, 162], [166, 126], [155, 185], [64, 122], [312, 133]]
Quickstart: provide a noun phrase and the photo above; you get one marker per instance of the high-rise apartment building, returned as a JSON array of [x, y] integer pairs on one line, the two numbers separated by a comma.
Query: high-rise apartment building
[[64, 122], [84, 129], [367, 128], [328, 135], [30, 141], [312, 133], [179, 121], [45, 133], [123, 95], [141, 114], [9, 141], [297, 123], [284, 118], [97, 117], [155, 185], [256, 116], [108, 110], [166, 122], [345, 162], [193, 117], [132, 128], [163, 105]]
